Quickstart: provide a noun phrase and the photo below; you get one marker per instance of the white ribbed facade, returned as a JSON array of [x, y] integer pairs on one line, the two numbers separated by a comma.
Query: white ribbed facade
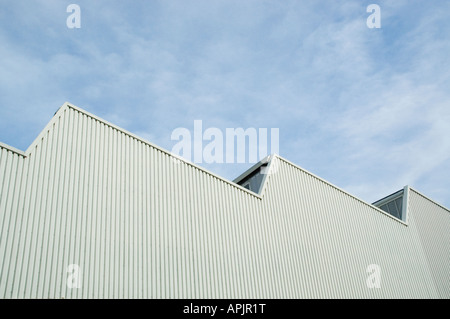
[[142, 224]]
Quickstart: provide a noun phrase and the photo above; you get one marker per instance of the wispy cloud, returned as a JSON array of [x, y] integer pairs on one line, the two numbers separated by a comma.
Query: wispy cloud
[[365, 109]]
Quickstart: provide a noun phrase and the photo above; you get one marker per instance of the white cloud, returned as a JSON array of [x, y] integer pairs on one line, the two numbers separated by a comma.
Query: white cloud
[[365, 109]]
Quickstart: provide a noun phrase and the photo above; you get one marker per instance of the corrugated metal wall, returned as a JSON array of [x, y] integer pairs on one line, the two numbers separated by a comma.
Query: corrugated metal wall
[[143, 225], [432, 224], [335, 237]]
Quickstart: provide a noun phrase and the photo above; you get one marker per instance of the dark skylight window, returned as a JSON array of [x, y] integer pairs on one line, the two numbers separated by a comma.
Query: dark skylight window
[[394, 207], [392, 204]]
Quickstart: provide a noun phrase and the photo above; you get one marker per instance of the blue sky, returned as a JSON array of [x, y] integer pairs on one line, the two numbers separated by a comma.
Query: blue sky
[[366, 109]]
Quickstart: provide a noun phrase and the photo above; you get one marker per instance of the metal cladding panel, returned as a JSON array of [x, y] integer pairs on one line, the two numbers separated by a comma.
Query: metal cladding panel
[[11, 184], [328, 238], [142, 224], [432, 222]]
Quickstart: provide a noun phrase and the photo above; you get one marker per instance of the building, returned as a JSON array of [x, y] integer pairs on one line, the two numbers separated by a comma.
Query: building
[[140, 223]]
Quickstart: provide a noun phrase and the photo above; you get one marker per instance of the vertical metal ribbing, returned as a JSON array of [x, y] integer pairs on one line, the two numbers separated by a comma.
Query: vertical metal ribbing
[[90, 280], [248, 248], [279, 284], [217, 256], [153, 224], [7, 220], [148, 226], [29, 280], [163, 212], [195, 270], [131, 221], [70, 203], [141, 225], [264, 273], [141, 210], [43, 235], [173, 228], [137, 280], [5, 173], [85, 212], [169, 249], [286, 231], [88, 249], [58, 269], [181, 226], [105, 239], [433, 223], [10, 275], [229, 239], [266, 246], [19, 282], [158, 210], [202, 255], [118, 214], [217, 253], [11, 168], [81, 207], [359, 223], [293, 228], [54, 202], [105, 214]]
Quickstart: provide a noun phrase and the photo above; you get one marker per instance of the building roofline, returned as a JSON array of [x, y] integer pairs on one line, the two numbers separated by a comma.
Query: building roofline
[[68, 105], [343, 191], [431, 200], [269, 159], [12, 149], [158, 148]]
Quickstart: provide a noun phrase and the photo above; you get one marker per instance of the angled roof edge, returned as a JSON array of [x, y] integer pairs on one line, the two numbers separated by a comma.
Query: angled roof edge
[[269, 159], [68, 105], [46, 128], [12, 149], [431, 200], [343, 191]]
